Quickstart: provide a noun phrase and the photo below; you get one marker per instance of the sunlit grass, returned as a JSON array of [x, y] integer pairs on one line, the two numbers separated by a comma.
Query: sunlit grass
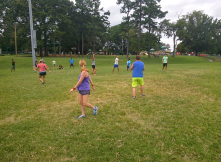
[[178, 119]]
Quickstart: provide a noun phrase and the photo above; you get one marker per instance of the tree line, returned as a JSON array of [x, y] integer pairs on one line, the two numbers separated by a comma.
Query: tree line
[[65, 26]]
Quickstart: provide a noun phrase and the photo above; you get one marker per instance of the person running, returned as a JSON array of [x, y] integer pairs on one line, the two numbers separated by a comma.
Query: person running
[[42, 68], [13, 65], [165, 62], [83, 87], [116, 64], [128, 64], [71, 62], [94, 69], [54, 64], [137, 76]]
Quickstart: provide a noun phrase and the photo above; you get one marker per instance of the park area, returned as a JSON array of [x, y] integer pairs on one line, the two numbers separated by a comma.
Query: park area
[[179, 119]]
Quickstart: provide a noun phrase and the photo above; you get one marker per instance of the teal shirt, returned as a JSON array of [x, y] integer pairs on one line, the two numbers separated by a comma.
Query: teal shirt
[[165, 59]]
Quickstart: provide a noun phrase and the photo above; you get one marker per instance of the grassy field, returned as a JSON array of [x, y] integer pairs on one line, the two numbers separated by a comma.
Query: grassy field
[[179, 119]]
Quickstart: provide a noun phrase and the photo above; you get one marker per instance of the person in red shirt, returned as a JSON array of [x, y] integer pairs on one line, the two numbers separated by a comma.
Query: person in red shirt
[[42, 68]]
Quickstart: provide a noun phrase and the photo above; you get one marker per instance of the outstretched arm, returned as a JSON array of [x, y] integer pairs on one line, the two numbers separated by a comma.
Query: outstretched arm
[[91, 82]]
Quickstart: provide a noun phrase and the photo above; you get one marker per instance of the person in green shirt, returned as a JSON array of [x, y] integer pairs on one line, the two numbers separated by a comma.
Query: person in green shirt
[[54, 64], [165, 62]]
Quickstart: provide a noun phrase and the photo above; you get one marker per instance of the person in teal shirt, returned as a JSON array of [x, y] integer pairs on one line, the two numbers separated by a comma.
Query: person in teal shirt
[[128, 64], [165, 62], [71, 62]]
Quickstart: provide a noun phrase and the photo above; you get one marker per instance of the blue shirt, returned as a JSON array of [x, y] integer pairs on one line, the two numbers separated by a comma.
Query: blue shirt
[[128, 63], [71, 61], [138, 69]]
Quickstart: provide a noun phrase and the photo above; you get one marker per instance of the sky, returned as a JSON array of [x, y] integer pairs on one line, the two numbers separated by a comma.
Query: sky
[[174, 8]]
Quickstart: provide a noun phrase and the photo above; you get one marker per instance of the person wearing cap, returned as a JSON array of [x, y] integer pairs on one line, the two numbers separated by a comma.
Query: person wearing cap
[[165, 62], [42, 68]]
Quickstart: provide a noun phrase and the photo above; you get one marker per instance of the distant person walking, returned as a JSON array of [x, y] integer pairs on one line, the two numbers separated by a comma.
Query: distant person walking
[[94, 69], [42, 68], [137, 76], [165, 62], [83, 87], [71, 62], [36, 64], [13, 65], [54, 64], [116, 64]]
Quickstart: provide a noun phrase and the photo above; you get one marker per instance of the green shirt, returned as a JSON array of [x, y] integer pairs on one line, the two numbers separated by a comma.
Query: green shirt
[[165, 59], [54, 62]]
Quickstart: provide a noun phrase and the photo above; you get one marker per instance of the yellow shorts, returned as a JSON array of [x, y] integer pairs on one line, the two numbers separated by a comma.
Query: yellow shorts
[[137, 80]]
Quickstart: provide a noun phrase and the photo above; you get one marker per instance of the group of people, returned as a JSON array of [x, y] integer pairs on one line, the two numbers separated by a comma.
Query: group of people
[[84, 79]]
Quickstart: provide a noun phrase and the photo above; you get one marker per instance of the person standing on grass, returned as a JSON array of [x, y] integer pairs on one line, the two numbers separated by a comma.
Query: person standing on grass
[[13, 65], [128, 64], [137, 76], [42, 68], [83, 87], [94, 69], [165, 62], [71, 62], [54, 64], [116, 64]]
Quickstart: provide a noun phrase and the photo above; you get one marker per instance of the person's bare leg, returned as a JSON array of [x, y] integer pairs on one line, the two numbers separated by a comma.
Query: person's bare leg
[[85, 102], [81, 104], [44, 78], [113, 70], [166, 68], [118, 69], [39, 77], [134, 91], [92, 71], [141, 90], [95, 71]]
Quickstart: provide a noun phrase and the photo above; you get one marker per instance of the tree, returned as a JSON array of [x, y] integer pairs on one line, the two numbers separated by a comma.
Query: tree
[[200, 32], [126, 8], [145, 14]]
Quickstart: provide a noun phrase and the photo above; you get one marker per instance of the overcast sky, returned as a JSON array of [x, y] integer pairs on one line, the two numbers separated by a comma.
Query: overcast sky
[[174, 8]]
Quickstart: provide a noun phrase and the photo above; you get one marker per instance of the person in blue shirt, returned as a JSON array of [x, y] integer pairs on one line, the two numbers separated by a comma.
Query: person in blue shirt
[[128, 64], [137, 76], [71, 62]]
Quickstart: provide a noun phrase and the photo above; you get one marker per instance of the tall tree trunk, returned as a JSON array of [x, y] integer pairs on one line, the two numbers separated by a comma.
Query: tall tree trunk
[[60, 46], [82, 44], [174, 45], [54, 48], [127, 43]]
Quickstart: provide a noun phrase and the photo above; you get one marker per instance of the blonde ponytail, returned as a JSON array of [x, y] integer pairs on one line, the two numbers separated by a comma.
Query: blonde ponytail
[[82, 64]]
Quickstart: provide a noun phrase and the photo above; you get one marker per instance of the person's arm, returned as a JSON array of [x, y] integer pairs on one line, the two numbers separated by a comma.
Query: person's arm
[[91, 82], [36, 68], [83, 73], [132, 67], [143, 68], [47, 68], [162, 60]]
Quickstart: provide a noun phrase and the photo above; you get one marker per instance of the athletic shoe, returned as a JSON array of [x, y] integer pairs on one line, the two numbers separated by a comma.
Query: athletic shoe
[[81, 116], [133, 97], [142, 95], [42, 82], [95, 110]]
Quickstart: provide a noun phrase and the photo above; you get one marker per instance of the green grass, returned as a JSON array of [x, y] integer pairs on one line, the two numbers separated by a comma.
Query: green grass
[[178, 120]]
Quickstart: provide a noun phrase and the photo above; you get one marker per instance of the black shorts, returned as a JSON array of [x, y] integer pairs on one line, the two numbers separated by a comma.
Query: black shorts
[[93, 66], [164, 64], [85, 92], [71, 65], [42, 73]]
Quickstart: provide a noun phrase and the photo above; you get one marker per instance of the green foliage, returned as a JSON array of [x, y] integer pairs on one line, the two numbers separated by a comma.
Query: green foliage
[[200, 32]]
